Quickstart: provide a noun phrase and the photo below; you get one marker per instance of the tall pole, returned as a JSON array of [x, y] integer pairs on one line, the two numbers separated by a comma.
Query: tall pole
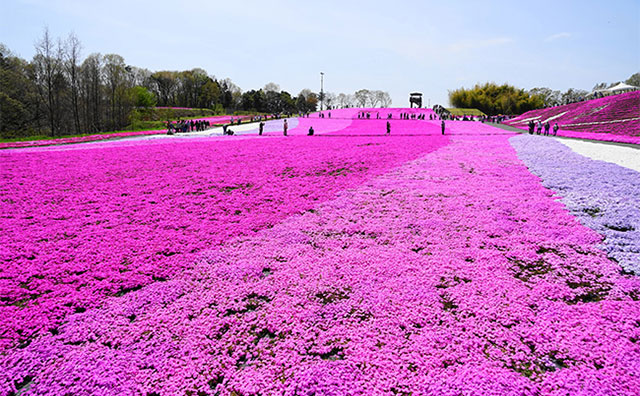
[[321, 91]]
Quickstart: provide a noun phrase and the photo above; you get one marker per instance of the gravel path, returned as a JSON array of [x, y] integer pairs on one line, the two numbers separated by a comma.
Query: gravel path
[[629, 157]]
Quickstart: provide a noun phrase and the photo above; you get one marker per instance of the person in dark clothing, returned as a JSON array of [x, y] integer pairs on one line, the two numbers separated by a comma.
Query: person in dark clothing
[[442, 126], [555, 129], [531, 127], [388, 128], [311, 131], [285, 127], [546, 128], [261, 128]]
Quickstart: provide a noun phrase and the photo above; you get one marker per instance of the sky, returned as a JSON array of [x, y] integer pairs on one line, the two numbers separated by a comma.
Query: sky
[[399, 47]]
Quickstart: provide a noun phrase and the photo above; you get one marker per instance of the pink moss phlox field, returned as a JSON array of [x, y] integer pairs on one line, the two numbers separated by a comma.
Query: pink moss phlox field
[[613, 118], [456, 273], [345, 122], [217, 120], [80, 223], [78, 139], [604, 135]]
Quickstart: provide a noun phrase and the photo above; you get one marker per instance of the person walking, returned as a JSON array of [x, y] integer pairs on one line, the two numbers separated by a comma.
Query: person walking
[[388, 128], [555, 129], [539, 131], [531, 127], [442, 126], [285, 127], [261, 128], [546, 128]]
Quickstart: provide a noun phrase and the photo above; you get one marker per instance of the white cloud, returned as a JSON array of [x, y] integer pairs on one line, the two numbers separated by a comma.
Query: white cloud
[[558, 36]]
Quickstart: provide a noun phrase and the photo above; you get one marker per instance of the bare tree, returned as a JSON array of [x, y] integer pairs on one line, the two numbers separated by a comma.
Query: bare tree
[[271, 87], [549, 96], [330, 99], [47, 69], [600, 86], [91, 92], [345, 100], [71, 60], [361, 97], [165, 83], [573, 95], [384, 98], [375, 98], [306, 93], [341, 100], [115, 73]]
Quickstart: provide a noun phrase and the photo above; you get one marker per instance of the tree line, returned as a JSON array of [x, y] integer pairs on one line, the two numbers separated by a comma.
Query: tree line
[[60, 93], [494, 99], [551, 97]]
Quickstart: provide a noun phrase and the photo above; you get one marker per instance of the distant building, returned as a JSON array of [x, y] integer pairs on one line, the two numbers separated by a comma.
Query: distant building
[[415, 98]]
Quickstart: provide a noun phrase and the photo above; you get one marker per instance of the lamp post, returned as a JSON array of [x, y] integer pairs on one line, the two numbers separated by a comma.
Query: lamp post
[[321, 91]]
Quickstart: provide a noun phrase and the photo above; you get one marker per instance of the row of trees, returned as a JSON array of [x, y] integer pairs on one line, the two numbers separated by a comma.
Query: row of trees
[[552, 97], [496, 99], [360, 98], [59, 93]]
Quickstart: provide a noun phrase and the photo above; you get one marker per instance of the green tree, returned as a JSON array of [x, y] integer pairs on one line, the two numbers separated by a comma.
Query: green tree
[[494, 99], [634, 80], [143, 97], [18, 96]]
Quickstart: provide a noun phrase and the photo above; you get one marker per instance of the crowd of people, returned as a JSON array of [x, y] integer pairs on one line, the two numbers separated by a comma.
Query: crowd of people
[[441, 114], [366, 115], [187, 126], [539, 127]]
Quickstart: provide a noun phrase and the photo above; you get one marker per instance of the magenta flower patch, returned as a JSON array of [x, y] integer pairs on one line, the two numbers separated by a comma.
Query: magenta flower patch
[[106, 220], [358, 264]]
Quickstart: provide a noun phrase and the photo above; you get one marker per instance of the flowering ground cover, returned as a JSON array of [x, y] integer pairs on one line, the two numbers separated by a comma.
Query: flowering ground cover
[[77, 139], [613, 118], [604, 196], [446, 267], [606, 134], [217, 120], [106, 220], [448, 271]]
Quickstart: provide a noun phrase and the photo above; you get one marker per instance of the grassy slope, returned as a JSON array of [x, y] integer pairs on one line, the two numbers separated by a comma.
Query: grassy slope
[[461, 112]]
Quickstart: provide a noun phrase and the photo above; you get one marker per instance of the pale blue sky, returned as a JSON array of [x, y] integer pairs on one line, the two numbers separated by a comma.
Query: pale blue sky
[[399, 47]]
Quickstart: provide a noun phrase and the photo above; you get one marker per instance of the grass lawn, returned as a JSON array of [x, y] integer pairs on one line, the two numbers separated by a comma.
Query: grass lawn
[[462, 112]]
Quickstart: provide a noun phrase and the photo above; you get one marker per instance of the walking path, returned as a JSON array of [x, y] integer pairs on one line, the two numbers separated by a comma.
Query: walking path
[[629, 157], [623, 154]]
